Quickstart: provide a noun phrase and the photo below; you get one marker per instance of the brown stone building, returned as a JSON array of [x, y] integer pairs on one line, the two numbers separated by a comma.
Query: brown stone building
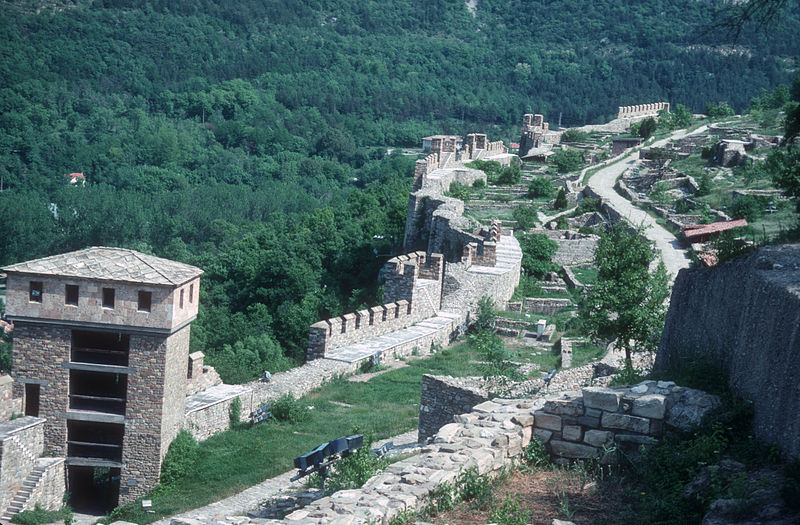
[[101, 352]]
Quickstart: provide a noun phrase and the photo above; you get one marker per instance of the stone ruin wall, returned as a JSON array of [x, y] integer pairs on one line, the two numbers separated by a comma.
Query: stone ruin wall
[[413, 287], [573, 248], [573, 425], [642, 110], [744, 316], [442, 398]]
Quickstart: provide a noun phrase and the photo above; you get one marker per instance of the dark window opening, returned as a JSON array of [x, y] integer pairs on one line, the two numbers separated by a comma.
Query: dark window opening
[[71, 294], [32, 399], [35, 292], [108, 298], [89, 439], [181, 300], [145, 301], [189, 372], [93, 490], [102, 348], [191, 293], [98, 391]]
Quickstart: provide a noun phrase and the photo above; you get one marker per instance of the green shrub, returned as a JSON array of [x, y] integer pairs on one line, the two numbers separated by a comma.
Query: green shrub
[[459, 191], [180, 458], [479, 184], [567, 160], [526, 217], [561, 200], [574, 135], [38, 516], [540, 187], [537, 253], [474, 488], [441, 499], [647, 128], [510, 175], [354, 470], [289, 410], [235, 412], [535, 455]]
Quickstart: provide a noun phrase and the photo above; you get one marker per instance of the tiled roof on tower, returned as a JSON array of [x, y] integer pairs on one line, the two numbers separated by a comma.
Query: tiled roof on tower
[[111, 264]]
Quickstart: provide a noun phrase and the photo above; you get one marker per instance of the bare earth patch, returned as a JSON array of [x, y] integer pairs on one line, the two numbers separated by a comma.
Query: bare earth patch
[[554, 494]]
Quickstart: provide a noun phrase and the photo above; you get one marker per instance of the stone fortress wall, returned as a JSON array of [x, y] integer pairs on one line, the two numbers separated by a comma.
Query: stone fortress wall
[[744, 316], [642, 110], [413, 288]]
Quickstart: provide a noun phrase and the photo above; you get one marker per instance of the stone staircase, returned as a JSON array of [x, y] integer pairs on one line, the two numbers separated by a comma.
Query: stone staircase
[[24, 493]]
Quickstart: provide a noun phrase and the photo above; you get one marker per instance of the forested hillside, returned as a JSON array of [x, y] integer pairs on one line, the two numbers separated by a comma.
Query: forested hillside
[[250, 137]]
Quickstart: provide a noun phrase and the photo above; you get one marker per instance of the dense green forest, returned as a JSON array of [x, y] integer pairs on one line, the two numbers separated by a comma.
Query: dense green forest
[[250, 138]]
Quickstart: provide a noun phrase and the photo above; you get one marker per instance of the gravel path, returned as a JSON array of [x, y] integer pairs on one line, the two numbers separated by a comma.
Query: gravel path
[[602, 182]]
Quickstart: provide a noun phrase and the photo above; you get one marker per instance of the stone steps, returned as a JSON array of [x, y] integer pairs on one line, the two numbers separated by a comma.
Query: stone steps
[[24, 493]]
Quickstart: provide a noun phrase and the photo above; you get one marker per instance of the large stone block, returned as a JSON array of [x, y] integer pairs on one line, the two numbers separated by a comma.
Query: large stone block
[[572, 433], [547, 421], [564, 407], [598, 438], [624, 422], [653, 406], [573, 450], [601, 398]]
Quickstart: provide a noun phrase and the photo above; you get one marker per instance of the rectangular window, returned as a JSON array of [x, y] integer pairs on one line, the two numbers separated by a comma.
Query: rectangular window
[[191, 293], [145, 299], [108, 298], [181, 300], [71, 294], [35, 293]]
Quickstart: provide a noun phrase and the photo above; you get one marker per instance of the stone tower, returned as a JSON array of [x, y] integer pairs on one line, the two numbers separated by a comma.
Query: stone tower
[[101, 350]]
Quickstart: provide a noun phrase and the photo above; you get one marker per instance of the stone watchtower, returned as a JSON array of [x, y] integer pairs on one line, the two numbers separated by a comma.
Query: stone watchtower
[[101, 350]]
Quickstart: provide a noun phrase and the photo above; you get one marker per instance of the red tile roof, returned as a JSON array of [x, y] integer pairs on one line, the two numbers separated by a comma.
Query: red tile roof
[[692, 231]]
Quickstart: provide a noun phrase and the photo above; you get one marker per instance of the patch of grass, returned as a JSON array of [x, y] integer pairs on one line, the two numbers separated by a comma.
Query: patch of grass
[[38, 516], [586, 352], [585, 274]]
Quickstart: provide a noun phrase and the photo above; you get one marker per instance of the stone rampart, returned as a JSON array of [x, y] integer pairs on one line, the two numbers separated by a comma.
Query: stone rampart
[[573, 247], [642, 110], [21, 443], [574, 425], [414, 287], [210, 418], [744, 316]]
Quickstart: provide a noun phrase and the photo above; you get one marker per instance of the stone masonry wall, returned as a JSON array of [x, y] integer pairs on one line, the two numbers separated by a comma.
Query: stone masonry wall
[[444, 397], [142, 442], [9, 405], [495, 433], [21, 443], [642, 109], [175, 391], [49, 491], [214, 418], [413, 285], [545, 305], [46, 351], [744, 316]]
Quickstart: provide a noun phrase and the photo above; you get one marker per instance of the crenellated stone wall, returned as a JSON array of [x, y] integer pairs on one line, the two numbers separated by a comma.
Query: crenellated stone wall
[[642, 110], [414, 287]]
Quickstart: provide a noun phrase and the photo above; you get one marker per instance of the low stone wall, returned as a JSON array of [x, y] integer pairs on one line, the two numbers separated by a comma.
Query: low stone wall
[[8, 405], [569, 278], [444, 397], [21, 443], [545, 305], [206, 421], [642, 110], [49, 492], [494, 434]]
